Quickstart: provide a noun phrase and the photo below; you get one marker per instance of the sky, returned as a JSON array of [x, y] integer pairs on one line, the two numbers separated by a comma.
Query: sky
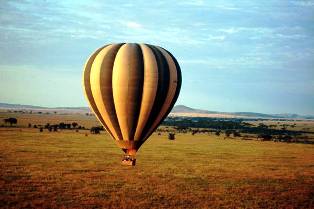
[[235, 55]]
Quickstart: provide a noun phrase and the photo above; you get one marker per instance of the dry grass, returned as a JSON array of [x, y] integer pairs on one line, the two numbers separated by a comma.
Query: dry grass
[[71, 170], [42, 119]]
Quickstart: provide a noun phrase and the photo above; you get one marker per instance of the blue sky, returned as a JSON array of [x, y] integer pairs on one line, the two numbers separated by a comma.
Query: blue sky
[[247, 55]]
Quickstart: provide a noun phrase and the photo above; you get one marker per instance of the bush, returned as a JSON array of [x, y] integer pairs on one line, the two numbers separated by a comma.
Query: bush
[[285, 138], [227, 133], [47, 125], [265, 137], [10, 120], [74, 124], [95, 130], [171, 136], [236, 134]]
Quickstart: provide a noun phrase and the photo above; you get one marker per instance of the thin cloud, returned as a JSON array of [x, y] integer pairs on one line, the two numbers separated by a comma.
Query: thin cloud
[[307, 3], [206, 5], [193, 3], [215, 38], [133, 25], [227, 7], [231, 30]]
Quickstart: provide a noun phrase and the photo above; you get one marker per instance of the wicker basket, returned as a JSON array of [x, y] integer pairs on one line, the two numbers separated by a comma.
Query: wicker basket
[[128, 160]]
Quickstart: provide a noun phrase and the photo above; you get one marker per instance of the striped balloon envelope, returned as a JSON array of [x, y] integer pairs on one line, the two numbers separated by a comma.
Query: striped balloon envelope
[[131, 88]]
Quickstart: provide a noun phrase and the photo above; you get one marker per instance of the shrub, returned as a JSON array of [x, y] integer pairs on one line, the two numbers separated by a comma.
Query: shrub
[[236, 134], [95, 130], [265, 137], [227, 133], [171, 136], [74, 124], [10, 120]]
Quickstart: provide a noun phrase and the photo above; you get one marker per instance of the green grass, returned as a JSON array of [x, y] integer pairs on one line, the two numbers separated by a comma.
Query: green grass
[[70, 170]]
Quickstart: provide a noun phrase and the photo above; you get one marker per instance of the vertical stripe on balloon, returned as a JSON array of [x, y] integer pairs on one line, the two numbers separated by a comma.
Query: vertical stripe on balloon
[[162, 88], [127, 85], [173, 80], [101, 86], [87, 87], [149, 89]]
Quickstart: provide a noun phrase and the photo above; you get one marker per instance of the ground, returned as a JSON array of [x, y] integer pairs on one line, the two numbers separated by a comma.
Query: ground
[[71, 170]]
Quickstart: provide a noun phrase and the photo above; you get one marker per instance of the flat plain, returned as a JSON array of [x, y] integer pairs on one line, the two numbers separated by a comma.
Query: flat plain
[[69, 169]]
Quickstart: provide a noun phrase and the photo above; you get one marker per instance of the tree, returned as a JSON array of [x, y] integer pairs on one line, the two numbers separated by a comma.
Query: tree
[[62, 125], [285, 138], [227, 133], [262, 125], [171, 136], [47, 125], [236, 134], [74, 124], [265, 137], [95, 130], [11, 121], [194, 132]]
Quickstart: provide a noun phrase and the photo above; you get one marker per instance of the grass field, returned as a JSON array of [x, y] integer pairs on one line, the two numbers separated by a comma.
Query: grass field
[[42, 119], [70, 170]]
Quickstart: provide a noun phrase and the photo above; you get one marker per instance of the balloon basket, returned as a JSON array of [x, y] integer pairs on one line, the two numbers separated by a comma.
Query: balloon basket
[[128, 160]]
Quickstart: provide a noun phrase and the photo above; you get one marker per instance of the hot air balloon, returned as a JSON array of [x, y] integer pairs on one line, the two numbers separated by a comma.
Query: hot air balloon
[[131, 88]]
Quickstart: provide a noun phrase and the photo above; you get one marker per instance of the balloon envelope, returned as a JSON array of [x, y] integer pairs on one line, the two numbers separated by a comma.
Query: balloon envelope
[[131, 88]]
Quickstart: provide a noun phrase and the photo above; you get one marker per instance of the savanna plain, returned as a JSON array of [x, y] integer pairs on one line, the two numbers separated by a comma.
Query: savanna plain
[[76, 169]]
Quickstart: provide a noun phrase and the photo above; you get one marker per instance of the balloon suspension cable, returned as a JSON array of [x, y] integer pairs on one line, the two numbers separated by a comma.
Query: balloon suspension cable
[[129, 158]]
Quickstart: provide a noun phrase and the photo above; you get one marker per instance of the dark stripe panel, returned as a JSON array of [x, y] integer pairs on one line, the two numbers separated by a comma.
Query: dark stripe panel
[[136, 81], [162, 89], [87, 88], [179, 78]]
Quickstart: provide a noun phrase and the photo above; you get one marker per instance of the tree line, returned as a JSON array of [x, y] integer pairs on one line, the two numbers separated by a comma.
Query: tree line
[[237, 128]]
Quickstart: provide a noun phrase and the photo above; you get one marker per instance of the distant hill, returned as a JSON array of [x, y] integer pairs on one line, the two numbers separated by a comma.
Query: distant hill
[[178, 110], [17, 106], [62, 110], [182, 110], [185, 109]]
